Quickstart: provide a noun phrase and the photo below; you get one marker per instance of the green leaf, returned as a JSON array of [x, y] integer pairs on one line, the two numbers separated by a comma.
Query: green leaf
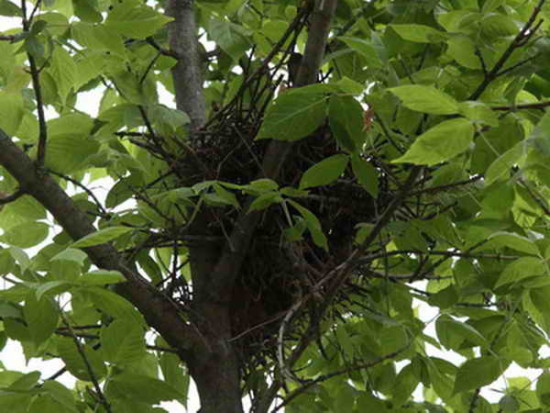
[[11, 108], [15, 402], [226, 196], [293, 115], [478, 112], [346, 122], [86, 10], [25, 382], [45, 403], [97, 37], [7, 8], [63, 70], [500, 168], [265, 200], [41, 317], [366, 174], [365, 48], [261, 187], [452, 334], [324, 172], [69, 153], [112, 304], [426, 99], [418, 33], [363, 231], [543, 388], [174, 374], [75, 362], [313, 225], [515, 242], [141, 388], [494, 25], [69, 144], [232, 38], [523, 267], [168, 118], [405, 383], [51, 288], [122, 342], [62, 395], [440, 143], [137, 22], [101, 277], [26, 235], [57, 23], [20, 257], [477, 373], [34, 46], [71, 254], [463, 50], [540, 137], [101, 237]]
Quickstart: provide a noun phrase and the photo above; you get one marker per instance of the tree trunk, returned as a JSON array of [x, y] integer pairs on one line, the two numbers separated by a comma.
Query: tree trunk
[[214, 366]]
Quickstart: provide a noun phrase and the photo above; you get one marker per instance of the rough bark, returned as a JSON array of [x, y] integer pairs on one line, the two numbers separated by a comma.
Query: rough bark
[[187, 72], [215, 366]]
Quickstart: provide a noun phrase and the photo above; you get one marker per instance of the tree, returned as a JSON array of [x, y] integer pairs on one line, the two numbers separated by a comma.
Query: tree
[[267, 236]]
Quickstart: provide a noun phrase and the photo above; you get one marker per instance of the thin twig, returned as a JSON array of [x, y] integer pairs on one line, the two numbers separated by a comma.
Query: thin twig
[[89, 369], [161, 50], [75, 182], [447, 186], [34, 10], [538, 199], [57, 374]]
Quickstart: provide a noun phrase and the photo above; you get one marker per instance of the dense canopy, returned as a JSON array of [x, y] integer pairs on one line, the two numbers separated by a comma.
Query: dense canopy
[[308, 206]]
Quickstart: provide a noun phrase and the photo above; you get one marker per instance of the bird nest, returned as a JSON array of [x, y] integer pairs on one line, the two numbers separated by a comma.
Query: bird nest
[[276, 271]]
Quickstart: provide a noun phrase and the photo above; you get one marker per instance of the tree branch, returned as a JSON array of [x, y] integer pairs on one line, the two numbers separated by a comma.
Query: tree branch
[[159, 311], [521, 38], [187, 72]]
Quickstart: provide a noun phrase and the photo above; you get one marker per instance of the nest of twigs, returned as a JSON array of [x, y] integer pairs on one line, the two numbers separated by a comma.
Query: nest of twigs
[[277, 272]]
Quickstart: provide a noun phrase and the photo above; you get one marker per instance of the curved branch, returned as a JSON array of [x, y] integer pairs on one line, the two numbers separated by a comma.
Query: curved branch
[[160, 313]]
